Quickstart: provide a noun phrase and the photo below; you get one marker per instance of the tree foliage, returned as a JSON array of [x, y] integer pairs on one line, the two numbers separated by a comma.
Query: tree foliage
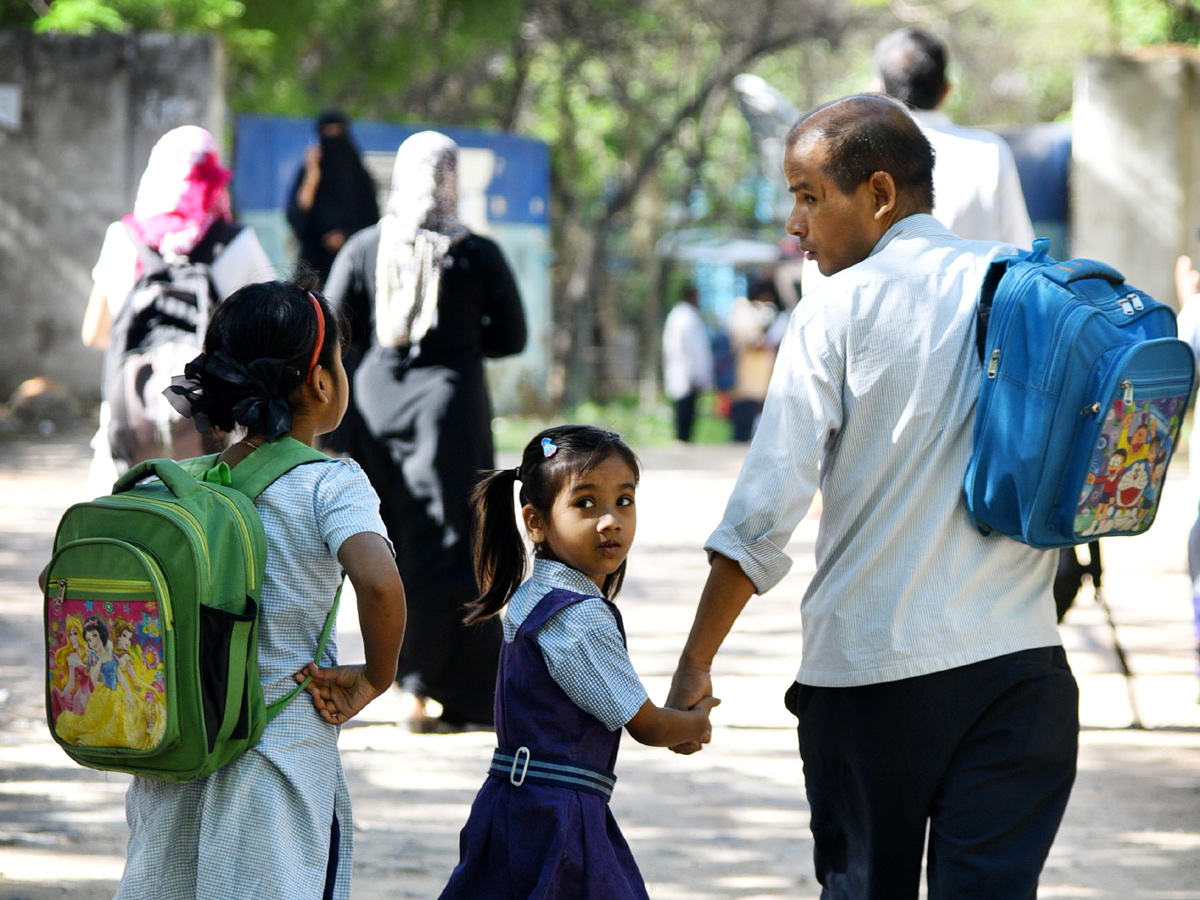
[[631, 95]]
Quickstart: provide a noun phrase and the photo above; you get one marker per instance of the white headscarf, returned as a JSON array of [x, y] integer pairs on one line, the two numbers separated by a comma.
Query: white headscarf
[[415, 234]]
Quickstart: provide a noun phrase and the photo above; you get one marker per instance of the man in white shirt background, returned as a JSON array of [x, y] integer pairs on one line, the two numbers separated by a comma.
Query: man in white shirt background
[[933, 693], [976, 190], [687, 360]]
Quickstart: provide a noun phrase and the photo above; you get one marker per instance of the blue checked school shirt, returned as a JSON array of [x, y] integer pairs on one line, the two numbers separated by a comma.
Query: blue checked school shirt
[[873, 400], [262, 825], [581, 645]]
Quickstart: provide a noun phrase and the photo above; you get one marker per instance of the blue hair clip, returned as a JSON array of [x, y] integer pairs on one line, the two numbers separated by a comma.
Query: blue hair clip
[[549, 448]]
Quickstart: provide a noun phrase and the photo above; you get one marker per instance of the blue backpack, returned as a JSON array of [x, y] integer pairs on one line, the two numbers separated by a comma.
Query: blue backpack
[[1084, 388]]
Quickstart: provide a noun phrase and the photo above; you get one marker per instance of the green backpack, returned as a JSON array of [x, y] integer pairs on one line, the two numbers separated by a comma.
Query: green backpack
[[151, 617]]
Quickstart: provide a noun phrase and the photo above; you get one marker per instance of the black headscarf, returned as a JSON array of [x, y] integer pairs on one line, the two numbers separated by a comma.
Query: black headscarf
[[346, 194], [345, 198]]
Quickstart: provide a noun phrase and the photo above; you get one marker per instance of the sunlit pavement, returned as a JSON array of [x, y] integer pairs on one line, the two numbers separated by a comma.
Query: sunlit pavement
[[730, 822]]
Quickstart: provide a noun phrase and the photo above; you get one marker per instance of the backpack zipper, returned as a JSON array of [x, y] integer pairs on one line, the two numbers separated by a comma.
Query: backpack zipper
[[105, 586], [153, 586], [1000, 326], [1128, 394]]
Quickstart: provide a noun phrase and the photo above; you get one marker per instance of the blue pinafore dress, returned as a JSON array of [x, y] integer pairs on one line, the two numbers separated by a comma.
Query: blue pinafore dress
[[544, 839]]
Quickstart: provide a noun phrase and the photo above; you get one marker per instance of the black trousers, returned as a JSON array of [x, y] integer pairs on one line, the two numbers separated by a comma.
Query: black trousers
[[685, 416], [984, 755]]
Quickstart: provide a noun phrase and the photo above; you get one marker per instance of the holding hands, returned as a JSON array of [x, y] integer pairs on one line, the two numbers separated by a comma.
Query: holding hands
[[725, 594], [691, 688]]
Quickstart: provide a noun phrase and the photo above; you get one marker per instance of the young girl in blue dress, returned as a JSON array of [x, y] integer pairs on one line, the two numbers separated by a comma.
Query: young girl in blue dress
[[541, 826], [275, 822]]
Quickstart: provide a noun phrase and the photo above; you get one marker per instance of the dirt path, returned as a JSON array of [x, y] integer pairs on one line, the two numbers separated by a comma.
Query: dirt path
[[730, 822]]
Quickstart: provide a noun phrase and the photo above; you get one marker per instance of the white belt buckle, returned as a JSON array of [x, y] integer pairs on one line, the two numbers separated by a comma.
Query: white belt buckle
[[512, 773]]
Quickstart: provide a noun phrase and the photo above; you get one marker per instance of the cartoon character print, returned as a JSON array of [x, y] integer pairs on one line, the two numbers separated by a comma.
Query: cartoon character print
[[70, 679], [107, 675], [1128, 463]]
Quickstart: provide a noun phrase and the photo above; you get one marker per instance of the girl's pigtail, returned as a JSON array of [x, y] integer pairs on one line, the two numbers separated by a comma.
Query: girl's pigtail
[[496, 545]]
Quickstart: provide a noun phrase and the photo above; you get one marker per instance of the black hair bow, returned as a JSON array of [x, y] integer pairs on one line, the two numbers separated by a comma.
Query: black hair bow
[[253, 394]]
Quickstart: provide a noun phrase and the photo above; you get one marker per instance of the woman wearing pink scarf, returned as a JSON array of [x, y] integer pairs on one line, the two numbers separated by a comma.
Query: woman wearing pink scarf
[[182, 195]]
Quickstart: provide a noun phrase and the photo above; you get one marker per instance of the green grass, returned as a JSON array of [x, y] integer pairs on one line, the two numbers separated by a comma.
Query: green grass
[[641, 426]]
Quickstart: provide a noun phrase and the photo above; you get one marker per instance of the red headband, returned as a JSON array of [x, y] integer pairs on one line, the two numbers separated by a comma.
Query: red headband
[[320, 335]]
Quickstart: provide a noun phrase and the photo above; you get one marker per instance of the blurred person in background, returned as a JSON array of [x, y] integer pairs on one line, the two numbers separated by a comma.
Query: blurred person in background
[[332, 197], [687, 360], [751, 326], [976, 189], [182, 212], [1187, 287], [427, 301]]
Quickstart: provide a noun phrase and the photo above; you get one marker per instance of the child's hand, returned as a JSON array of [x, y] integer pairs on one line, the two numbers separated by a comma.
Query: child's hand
[[340, 692], [704, 706], [666, 727], [689, 688]]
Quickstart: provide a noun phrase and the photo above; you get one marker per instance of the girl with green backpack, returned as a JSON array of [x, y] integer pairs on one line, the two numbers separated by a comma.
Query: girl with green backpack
[[276, 820]]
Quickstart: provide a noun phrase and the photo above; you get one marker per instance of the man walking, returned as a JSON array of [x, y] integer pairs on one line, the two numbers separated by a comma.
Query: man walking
[[976, 190], [687, 360], [934, 692]]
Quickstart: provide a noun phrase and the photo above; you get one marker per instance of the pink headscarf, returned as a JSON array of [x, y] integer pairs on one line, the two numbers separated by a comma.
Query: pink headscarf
[[182, 192]]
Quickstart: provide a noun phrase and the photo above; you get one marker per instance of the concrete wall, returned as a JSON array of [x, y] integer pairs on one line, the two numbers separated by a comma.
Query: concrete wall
[[1135, 181], [78, 116]]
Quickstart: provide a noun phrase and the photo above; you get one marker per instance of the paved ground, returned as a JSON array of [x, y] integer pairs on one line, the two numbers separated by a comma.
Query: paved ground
[[730, 822]]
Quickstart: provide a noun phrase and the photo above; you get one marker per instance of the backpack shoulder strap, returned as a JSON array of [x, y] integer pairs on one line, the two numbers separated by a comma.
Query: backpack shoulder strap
[[277, 707], [152, 261], [255, 473], [996, 270], [252, 476], [219, 235]]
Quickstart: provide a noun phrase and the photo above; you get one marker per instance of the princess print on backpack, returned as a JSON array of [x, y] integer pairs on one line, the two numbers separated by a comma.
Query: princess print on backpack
[[182, 673], [121, 671]]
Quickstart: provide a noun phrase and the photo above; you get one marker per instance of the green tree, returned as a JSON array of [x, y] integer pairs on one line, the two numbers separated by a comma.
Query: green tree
[[631, 95]]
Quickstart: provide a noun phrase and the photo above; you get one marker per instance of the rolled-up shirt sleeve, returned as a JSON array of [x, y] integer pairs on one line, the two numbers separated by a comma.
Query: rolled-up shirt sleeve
[[798, 429]]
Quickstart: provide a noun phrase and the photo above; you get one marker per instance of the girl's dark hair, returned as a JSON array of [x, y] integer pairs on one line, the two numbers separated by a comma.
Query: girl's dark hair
[[257, 351], [497, 545]]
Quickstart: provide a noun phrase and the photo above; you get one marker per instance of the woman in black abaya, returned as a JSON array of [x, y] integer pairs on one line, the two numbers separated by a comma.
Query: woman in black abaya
[[427, 302], [332, 197]]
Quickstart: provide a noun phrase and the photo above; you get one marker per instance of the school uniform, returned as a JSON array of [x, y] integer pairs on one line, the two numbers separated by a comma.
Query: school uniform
[[275, 822], [541, 826]]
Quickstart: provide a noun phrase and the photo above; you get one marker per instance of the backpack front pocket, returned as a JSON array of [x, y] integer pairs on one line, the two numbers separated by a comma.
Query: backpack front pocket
[[1127, 437], [109, 645]]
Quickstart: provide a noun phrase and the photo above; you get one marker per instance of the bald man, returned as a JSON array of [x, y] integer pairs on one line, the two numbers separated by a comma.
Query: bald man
[[933, 690]]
